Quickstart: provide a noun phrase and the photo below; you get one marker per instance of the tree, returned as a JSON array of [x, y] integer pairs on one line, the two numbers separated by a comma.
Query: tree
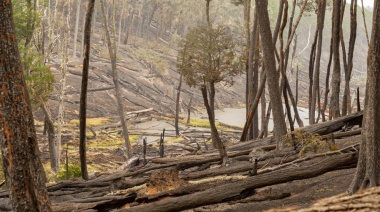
[[335, 78], [112, 49], [83, 94], [316, 58], [271, 73], [177, 106], [22, 165], [38, 76], [206, 58], [76, 28], [368, 169]]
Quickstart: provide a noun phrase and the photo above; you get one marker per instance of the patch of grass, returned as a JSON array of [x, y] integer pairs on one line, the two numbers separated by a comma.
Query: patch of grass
[[111, 143], [92, 122]]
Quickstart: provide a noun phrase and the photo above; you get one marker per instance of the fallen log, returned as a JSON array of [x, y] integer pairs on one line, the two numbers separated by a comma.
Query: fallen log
[[344, 134], [197, 159], [323, 128], [243, 188], [127, 116]]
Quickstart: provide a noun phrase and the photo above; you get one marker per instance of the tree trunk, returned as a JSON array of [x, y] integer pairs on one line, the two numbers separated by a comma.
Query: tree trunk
[[252, 75], [22, 166], [63, 71], [54, 159], [315, 89], [335, 80], [76, 29], [83, 95], [272, 76], [214, 131], [177, 106], [327, 90], [351, 48], [112, 53], [368, 169]]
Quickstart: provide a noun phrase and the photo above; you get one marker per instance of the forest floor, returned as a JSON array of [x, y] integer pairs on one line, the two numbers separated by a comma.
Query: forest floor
[[189, 168]]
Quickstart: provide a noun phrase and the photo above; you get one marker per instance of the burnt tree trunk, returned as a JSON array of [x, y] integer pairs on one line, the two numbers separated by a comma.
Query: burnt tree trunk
[[83, 95], [23, 169], [177, 106]]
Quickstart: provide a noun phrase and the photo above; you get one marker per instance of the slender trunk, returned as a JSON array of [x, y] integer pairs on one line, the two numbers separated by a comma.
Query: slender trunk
[[282, 66], [315, 89], [54, 160], [365, 24], [76, 29], [112, 52], [63, 71], [335, 80], [252, 75], [130, 28], [215, 134], [271, 74], [351, 48], [327, 89], [177, 106], [263, 106], [83, 95]]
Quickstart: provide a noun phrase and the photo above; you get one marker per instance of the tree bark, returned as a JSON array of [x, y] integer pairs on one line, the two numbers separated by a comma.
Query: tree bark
[[54, 159], [214, 131], [368, 169], [83, 95], [315, 84], [351, 48], [252, 76], [76, 29], [23, 169], [335, 80], [272, 76], [177, 106]]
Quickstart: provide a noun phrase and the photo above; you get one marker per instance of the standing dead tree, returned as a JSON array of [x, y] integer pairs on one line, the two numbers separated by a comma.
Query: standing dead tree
[[83, 96], [112, 48]]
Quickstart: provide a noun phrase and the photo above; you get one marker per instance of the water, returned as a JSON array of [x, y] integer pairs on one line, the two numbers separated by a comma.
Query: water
[[237, 116]]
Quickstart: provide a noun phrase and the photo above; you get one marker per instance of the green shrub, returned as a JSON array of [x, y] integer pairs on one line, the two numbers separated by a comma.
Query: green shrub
[[73, 172]]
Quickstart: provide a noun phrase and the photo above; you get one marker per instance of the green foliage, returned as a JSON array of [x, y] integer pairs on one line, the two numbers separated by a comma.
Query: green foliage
[[73, 172], [25, 18], [208, 55], [39, 78]]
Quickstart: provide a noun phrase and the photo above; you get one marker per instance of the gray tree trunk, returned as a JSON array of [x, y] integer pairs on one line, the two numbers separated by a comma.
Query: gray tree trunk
[[76, 29], [112, 52], [271, 73], [315, 88], [335, 78], [368, 169]]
